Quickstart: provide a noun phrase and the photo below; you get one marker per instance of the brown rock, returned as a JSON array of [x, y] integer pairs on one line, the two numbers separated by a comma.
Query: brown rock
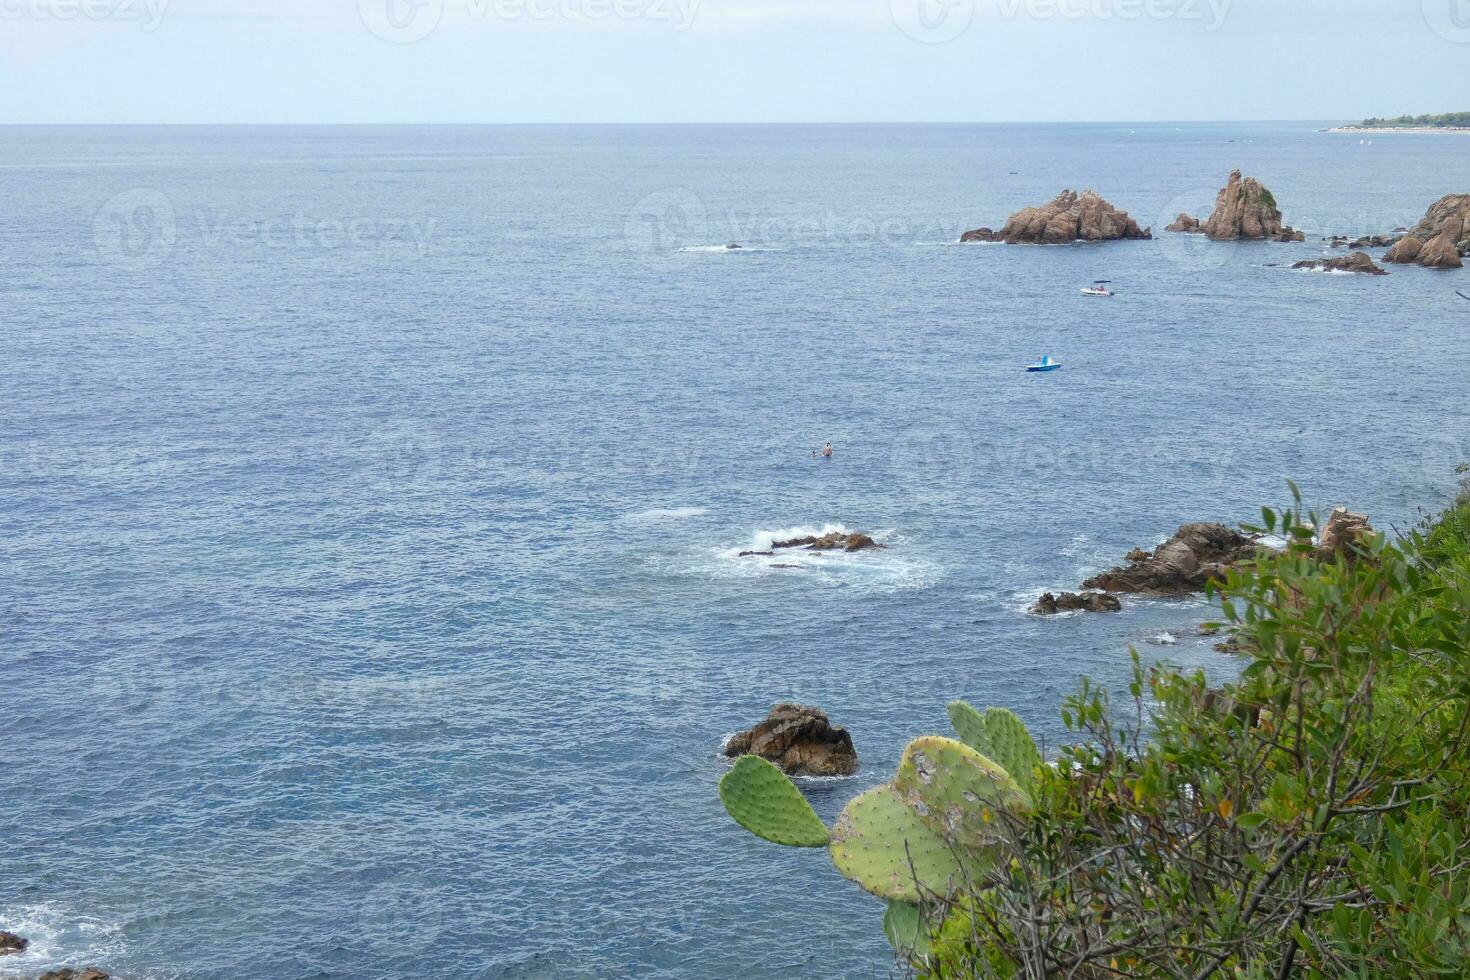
[[1244, 208], [854, 541], [1405, 250], [1440, 252], [1344, 532], [11, 943], [1069, 217], [1352, 262], [67, 973], [1188, 224], [800, 740], [1449, 216], [978, 235], [1050, 605], [1185, 563]]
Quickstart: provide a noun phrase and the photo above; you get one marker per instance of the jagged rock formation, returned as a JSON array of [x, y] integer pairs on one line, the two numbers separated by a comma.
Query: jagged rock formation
[[1343, 531], [1352, 262], [800, 740], [1069, 217], [1440, 238], [1050, 605], [1184, 564], [11, 943], [1244, 208], [837, 540], [67, 973]]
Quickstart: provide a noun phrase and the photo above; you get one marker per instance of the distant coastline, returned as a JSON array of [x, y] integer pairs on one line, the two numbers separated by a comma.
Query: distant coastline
[[1444, 122], [1398, 129]]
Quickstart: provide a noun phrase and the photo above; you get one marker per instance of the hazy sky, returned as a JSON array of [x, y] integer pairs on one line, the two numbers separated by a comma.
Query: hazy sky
[[728, 60]]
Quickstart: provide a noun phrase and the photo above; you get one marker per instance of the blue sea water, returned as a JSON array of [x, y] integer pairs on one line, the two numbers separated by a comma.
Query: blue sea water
[[370, 501]]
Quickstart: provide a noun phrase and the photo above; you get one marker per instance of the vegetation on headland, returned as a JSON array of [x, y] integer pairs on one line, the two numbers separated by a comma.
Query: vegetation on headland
[[1310, 819], [1444, 120]]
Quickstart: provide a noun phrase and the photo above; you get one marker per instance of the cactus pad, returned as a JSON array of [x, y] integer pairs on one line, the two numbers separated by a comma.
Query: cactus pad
[[1012, 746], [956, 791], [969, 725], [875, 839], [903, 924], [762, 800]]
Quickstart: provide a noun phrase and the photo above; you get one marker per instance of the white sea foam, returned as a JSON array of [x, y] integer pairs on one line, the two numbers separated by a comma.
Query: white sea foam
[[893, 568], [60, 937], [726, 249]]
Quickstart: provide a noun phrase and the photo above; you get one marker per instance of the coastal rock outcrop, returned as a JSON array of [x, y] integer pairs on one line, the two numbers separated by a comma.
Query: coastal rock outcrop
[[1069, 217], [1050, 605], [1440, 238], [1342, 532], [1449, 216], [834, 541], [1352, 262], [1440, 252], [800, 740], [1188, 224], [11, 943], [1437, 253], [1405, 250], [1181, 565], [67, 973], [1244, 208]]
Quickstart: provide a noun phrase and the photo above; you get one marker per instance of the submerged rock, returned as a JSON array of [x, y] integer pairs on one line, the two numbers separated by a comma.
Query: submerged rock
[[835, 541], [1352, 262], [11, 943], [67, 973], [800, 740], [1182, 565], [1069, 217], [1050, 605]]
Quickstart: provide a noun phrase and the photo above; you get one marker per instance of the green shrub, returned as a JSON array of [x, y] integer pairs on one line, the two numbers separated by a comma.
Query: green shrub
[[1308, 820]]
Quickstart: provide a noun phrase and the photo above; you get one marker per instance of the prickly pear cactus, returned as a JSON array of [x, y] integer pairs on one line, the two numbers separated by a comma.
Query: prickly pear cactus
[[969, 725], [766, 803], [903, 924], [883, 845], [1012, 746], [957, 792]]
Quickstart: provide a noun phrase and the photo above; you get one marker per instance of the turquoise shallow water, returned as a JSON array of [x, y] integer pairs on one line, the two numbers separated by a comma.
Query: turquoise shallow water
[[368, 598]]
